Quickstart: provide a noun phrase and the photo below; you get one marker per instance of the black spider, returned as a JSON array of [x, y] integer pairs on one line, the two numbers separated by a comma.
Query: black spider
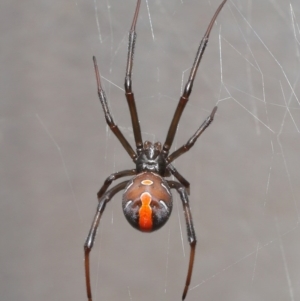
[[147, 198]]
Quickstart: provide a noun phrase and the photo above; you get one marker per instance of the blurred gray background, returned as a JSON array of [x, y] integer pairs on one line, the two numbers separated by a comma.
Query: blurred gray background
[[56, 149]]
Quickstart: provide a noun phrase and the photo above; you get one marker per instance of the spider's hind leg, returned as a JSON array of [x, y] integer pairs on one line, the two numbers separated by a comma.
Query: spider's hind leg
[[179, 177], [113, 177], [190, 231], [93, 230]]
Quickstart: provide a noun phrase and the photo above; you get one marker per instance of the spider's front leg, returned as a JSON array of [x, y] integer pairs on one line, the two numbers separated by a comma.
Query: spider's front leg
[[93, 230], [128, 83], [190, 230], [108, 117], [186, 147], [189, 85]]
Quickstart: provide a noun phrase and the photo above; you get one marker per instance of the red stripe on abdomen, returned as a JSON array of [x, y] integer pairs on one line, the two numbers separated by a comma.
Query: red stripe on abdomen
[[145, 213]]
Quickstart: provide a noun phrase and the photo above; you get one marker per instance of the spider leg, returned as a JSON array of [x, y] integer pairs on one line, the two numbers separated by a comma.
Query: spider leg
[[179, 177], [128, 92], [189, 85], [92, 233], [190, 231], [183, 149], [113, 177], [109, 120]]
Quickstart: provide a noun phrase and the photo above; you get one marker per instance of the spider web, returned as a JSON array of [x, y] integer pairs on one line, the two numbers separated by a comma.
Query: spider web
[[57, 149]]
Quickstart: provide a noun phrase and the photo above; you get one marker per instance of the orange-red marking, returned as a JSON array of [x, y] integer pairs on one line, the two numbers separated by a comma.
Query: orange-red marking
[[145, 213], [147, 182]]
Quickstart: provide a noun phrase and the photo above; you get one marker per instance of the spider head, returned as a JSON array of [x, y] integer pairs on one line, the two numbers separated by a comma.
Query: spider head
[[151, 158]]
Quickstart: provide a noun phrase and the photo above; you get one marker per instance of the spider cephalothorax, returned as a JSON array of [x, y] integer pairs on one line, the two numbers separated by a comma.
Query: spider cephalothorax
[[147, 198], [151, 159]]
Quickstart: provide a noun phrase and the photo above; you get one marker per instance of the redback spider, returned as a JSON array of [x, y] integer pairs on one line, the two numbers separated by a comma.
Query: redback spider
[[147, 198]]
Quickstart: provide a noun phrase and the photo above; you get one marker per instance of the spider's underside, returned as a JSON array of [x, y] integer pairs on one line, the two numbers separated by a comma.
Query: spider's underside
[[147, 198]]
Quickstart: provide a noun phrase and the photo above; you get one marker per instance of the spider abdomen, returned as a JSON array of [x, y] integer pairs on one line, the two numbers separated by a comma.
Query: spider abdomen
[[147, 201]]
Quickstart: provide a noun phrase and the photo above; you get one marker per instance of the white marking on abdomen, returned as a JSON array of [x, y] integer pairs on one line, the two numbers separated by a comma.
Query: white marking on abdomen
[[128, 203], [164, 204], [166, 188]]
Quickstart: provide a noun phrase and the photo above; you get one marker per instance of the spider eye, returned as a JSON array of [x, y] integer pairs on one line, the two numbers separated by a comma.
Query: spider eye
[[147, 144], [157, 146]]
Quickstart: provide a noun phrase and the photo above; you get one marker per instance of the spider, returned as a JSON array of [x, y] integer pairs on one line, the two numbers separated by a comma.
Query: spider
[[147, 198]]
